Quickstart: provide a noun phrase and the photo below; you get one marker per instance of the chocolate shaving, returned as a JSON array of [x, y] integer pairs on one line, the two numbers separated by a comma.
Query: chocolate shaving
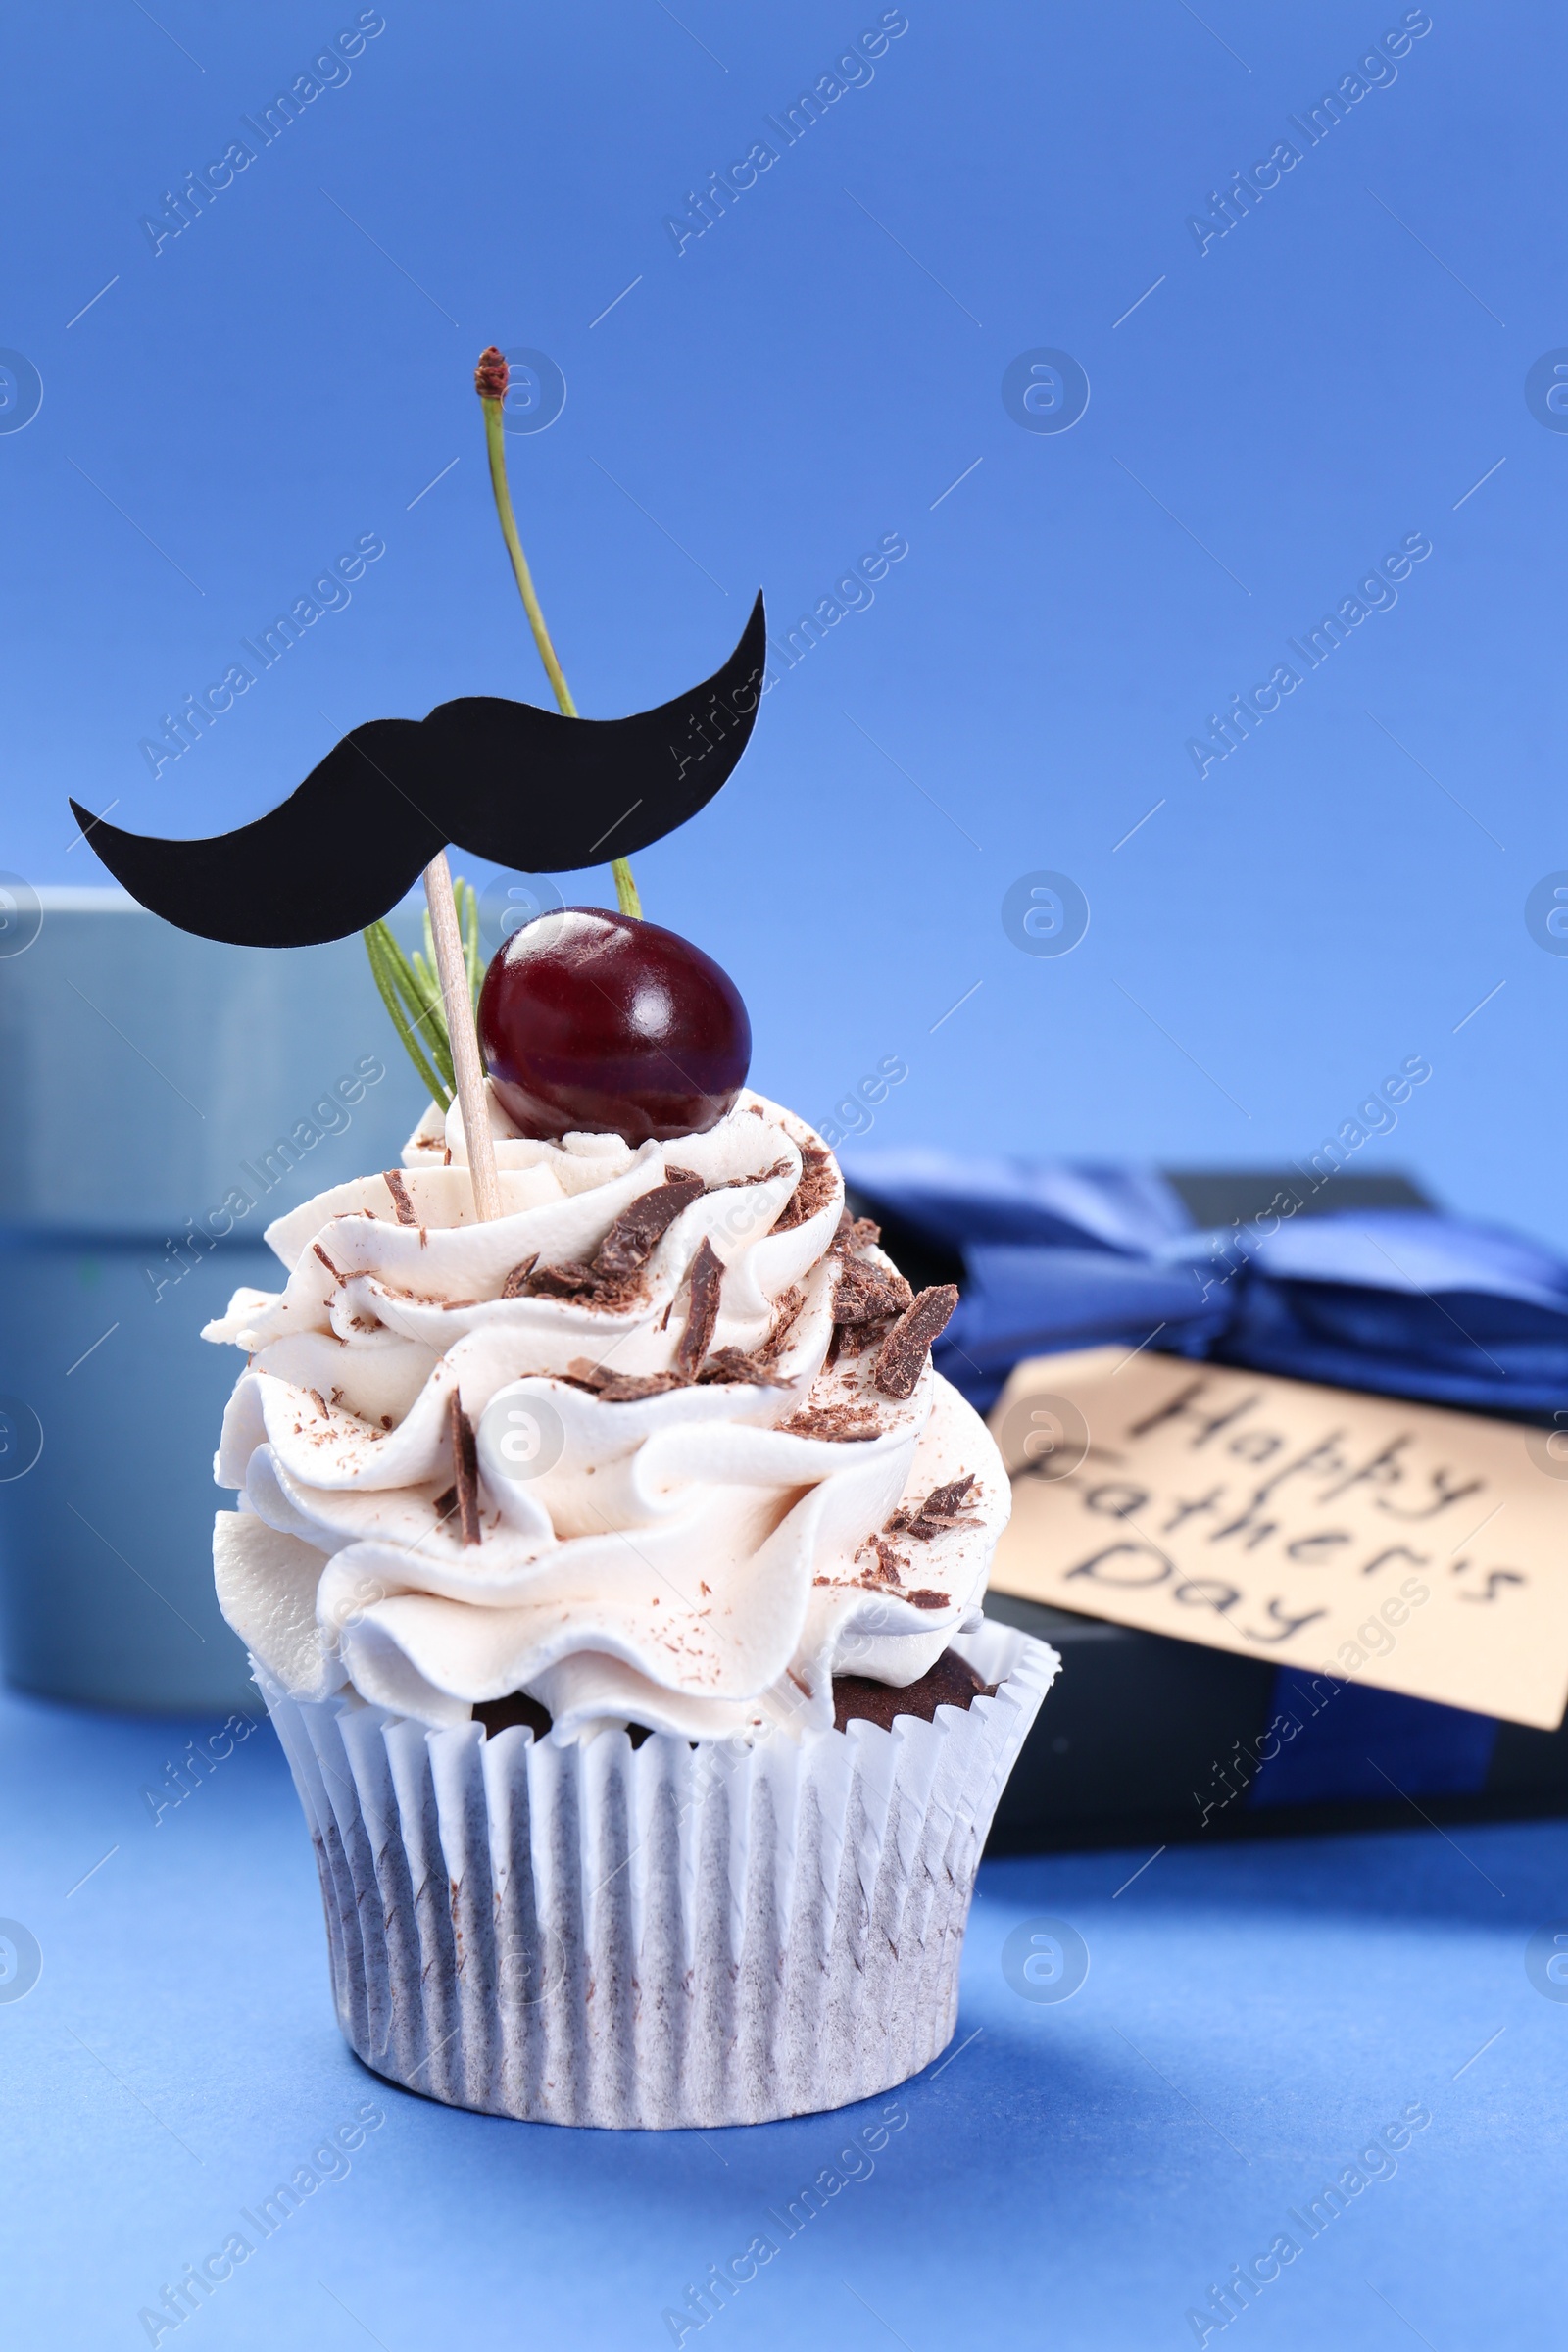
[[891, 1564], [904, 1352], [944, 1507], [738, 1184], [614, 1278], [866, 1295], [926, 1599], [786, 1315], [817, 1185], [853, 1339], [706, 1283], [465, 1468], [630, 1240], [570, 1279], [733, 1364], [623, 1388], [839, 1424], [320, 1402], [853, 1233], [517, 1283], [399, 1198], [629, 1387], [326, 1261]]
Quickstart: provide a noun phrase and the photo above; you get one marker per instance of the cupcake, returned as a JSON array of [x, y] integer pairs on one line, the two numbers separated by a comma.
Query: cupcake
[[611, 1569], [608, 1553]]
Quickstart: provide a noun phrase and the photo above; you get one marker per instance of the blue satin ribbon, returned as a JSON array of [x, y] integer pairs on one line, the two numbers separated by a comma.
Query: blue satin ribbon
[[1400, 1301]]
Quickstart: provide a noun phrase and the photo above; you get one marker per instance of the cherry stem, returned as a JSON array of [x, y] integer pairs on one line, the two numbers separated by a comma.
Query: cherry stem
[[466, 1068], [495, 445]]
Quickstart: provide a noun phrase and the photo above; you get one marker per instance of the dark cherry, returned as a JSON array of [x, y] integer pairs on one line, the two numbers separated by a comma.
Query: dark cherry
[[599, 1022]]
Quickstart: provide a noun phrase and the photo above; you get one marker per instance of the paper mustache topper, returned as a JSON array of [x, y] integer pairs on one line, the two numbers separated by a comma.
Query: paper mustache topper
[[506, 781]]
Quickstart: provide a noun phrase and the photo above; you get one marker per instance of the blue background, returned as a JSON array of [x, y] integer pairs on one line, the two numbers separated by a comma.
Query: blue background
[[821, 369], [1277, 415]]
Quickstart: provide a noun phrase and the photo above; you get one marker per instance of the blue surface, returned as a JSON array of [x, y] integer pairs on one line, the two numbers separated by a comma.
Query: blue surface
[[1346, 367], [1074, 2174]]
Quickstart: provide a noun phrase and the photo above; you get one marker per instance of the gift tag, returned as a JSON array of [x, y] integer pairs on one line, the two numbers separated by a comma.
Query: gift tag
[[1399, 1544]]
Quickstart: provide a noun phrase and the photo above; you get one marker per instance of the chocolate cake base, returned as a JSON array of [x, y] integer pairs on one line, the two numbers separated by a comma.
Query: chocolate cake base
[[500, 1714], [951, 1683]]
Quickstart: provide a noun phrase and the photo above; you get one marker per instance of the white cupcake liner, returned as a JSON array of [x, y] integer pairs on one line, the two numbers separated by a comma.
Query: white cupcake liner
[[661, 1936]]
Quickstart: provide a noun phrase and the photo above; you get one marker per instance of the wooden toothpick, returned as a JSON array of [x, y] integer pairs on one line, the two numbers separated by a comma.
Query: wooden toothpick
[[467, 1069]]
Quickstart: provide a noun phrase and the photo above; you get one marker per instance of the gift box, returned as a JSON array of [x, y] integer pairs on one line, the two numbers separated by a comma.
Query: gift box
[[165, 1097], [1351, 1280]]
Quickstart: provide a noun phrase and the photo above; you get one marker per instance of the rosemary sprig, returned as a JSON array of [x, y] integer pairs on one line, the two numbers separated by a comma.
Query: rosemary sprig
[[409, 1014], [411, 992]]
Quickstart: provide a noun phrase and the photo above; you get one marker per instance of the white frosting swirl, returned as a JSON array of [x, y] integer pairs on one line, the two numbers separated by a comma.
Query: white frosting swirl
[[699, 1559]]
